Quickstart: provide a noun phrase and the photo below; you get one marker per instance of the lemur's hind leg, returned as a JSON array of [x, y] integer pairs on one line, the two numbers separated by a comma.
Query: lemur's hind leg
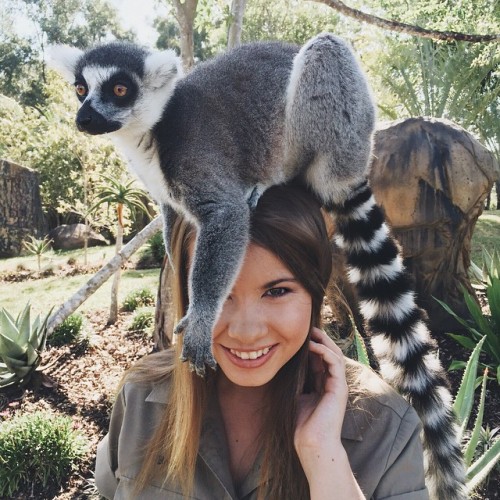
[[400, 338], [329, 118]]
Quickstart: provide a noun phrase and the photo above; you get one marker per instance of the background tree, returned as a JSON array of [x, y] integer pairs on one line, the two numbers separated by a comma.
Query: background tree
[[122, 195], [185, 13], [236, 23]]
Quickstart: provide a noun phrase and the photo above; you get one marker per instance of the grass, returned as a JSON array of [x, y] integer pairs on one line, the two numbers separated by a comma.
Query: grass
[[486, 235], [53, 291]]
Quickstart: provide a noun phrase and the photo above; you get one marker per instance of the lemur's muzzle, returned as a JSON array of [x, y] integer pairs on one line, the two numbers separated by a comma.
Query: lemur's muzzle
[[90, 121]]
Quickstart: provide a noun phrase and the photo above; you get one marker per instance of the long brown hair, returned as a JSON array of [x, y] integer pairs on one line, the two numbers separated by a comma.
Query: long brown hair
[[288, 222]]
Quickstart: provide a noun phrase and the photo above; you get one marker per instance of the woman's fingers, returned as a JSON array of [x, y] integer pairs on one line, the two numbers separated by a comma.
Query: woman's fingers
[[327, 363]]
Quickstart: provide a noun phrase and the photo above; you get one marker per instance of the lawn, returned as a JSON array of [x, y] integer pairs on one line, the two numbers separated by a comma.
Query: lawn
[[52, 291]]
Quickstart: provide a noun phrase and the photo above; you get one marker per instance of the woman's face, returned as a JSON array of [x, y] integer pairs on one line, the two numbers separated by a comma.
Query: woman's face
[[264, 322]]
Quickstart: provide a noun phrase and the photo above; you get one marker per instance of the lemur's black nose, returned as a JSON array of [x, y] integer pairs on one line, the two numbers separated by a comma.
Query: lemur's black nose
[[90, 121]]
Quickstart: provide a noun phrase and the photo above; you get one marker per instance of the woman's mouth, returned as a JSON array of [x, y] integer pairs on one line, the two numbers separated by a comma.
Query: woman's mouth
[[250, 359], [250, 354]]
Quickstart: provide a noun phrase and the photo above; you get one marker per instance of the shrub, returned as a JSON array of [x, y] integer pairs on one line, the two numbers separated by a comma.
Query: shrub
[[67, 332], [142, 321], [138, 298], [154, 253], [37, 450]]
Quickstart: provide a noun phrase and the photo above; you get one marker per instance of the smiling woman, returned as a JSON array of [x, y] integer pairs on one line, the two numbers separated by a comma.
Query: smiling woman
[[284, 415]]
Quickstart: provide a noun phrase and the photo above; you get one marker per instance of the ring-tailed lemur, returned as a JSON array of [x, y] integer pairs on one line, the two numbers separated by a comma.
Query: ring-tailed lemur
[[210, 143]]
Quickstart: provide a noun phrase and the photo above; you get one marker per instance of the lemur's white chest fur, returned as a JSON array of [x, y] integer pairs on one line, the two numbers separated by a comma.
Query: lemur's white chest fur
[[142, 155]]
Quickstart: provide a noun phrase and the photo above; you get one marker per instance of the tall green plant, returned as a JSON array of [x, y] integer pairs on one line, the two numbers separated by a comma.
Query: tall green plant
[[482, 325], [121, 194], [478, 464]]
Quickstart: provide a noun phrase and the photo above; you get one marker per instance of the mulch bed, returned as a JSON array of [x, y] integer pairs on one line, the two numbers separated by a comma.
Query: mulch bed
[[86, 378]]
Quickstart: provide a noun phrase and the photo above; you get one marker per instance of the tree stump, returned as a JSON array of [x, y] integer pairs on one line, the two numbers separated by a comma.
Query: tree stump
[[432, 179], [20, 207]]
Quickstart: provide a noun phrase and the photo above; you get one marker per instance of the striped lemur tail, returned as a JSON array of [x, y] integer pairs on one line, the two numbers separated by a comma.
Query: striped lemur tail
[[400, 338]]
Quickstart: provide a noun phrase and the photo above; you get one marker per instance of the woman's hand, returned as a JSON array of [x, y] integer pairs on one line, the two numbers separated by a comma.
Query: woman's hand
[[319, 424]]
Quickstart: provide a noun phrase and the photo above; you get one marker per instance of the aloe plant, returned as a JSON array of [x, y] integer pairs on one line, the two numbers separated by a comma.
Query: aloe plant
[[478, 465], [21, 346], [37, 247], [481, 325]]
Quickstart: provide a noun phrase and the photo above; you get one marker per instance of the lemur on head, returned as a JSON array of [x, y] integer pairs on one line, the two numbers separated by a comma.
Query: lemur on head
[[210, 143]]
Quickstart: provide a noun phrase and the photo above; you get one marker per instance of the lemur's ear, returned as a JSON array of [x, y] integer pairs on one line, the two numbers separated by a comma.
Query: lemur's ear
[[162, 67], [63, 59]]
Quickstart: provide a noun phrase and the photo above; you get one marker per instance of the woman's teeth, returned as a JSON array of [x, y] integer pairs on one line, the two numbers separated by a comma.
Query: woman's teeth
[[250, 354]]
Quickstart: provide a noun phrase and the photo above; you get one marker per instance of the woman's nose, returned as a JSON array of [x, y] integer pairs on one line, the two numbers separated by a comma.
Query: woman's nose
[[246, 324]]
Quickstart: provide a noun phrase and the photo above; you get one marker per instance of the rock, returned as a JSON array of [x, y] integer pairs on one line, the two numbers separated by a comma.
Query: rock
[[20, 207], [72, 236], [432, 179]]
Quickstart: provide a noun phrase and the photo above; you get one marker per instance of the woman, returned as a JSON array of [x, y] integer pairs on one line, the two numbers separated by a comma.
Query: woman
[[285, 415]]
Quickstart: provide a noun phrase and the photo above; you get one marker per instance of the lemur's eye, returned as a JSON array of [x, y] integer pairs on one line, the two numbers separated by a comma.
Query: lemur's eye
[[81, 90], [120, 90]]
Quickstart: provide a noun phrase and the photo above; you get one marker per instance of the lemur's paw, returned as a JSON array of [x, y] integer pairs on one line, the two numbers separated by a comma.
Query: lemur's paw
[[196, 348], [181, 326]]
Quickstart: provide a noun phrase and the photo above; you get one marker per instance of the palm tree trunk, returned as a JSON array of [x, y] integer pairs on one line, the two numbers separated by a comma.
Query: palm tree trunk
[[113, 310]]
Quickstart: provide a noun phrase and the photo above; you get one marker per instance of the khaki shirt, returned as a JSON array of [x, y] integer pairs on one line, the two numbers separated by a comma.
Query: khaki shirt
[[380, 435]]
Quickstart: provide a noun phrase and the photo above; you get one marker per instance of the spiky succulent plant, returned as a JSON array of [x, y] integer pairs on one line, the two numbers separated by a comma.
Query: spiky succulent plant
[[21, 346]]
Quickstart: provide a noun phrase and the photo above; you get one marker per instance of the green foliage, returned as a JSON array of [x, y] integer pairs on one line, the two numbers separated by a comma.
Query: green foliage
[[21, 346], [67, 332], [139, 298], [154, 252], [69, 163], [479, 462], [142, 321], [123, 195], [481, 325], [37, 450], [361, 351], [455, 80]]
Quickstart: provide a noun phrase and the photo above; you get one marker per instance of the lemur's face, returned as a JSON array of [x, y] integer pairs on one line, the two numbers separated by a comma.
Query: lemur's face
[[108, 96], [121, 86]]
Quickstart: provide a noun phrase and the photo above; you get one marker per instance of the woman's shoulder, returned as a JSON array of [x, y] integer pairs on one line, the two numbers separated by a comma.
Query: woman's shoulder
[[149, 379], [375, 399]]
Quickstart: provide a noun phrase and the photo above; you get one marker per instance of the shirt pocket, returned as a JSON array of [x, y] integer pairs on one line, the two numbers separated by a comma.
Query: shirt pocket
[[125, 491]]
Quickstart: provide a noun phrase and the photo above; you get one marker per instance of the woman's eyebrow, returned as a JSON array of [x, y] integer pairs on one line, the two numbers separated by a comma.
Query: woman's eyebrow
[[273, 283]]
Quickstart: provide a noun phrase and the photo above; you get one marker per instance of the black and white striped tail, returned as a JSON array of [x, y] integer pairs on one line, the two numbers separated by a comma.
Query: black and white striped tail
[[400, 338]]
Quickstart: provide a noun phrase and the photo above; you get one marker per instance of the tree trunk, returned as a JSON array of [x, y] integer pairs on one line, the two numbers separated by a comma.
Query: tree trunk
[[113, 310], [185, 13], [234, 33], [103, 275]]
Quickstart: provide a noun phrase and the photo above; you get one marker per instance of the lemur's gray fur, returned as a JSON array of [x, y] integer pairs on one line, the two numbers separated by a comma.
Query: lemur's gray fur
[[210, 143]]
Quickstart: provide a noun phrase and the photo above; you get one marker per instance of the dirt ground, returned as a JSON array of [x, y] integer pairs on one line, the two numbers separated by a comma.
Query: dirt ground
[[86, 378]]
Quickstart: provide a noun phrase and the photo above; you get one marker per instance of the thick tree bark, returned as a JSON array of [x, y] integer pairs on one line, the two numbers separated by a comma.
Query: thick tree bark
[[235, 28], [103, 274], [407, 28], [185, 13]]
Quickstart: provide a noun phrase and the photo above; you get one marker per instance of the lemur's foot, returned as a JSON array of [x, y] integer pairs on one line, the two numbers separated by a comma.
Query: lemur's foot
[[197, 344]]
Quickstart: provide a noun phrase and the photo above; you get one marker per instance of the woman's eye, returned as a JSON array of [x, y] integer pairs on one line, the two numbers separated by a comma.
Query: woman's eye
[[81, 90], [277, 292], [120, 90]]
